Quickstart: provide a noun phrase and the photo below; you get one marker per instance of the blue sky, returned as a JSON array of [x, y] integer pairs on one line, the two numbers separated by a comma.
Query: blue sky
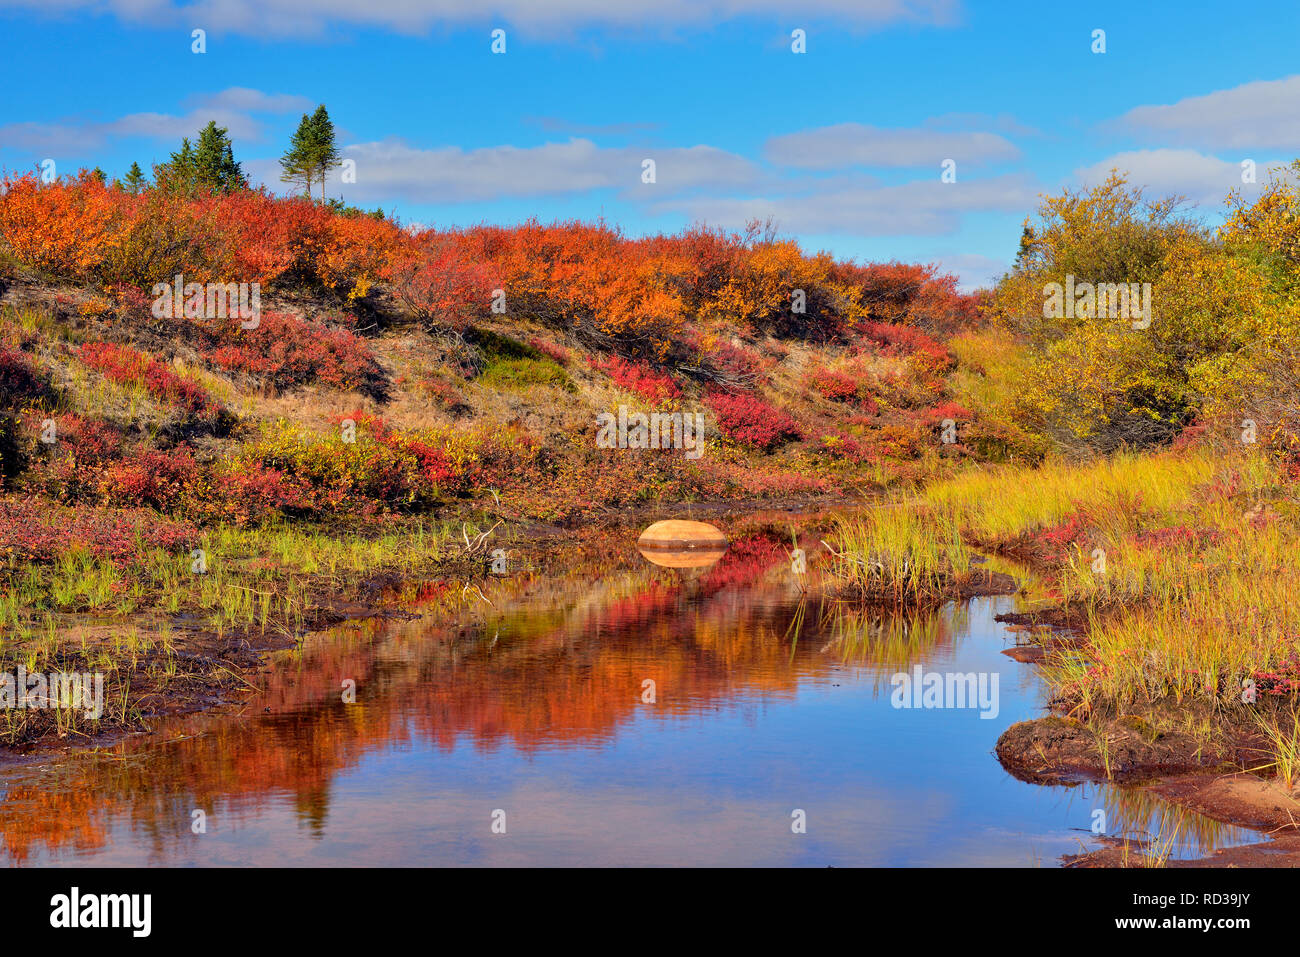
[[843, 145]]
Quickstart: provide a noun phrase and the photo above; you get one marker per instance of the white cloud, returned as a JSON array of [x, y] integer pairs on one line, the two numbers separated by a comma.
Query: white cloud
[[1205, 180], [853, 144], [245, 100], [972, 270], [921, 207], [1251, 116], [230, 108], [392, 170]]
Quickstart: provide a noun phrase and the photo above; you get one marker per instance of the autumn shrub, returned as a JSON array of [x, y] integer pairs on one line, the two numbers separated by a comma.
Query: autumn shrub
[[444, 392], [1104, 380], [910, 294], [778, 290], [284, 352], [587, 278], [552, 350], [834, 384], [367, 466], [36, 531], [718, 358], [640, 378], [270, 238], [247, 492], [909, 341], [358, 252], [127, 366], [161, 235], [149, 477], [65, 227], [435, 278], [850, 448], [946, 410], [749, 420]]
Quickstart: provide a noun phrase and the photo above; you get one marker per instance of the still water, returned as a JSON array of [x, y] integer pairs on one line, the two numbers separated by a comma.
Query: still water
[[631, 715]]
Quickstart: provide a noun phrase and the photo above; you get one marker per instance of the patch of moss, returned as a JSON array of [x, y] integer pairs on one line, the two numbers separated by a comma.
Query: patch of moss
[[523, 373]]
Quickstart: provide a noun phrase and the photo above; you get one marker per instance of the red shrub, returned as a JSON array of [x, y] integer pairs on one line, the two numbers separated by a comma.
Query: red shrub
[[552, 349], [834, 384], [747, 419], [251, 492], [149, 477], [289, 351], [946, 410], [909, 341], [638, 377], [435, 278], [129, 367], [36, 531]]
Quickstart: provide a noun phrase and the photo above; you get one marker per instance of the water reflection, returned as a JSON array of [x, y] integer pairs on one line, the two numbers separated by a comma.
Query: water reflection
[[622, 714]]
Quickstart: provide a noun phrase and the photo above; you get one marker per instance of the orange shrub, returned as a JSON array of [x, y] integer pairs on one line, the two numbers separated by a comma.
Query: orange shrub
[[65, 227]]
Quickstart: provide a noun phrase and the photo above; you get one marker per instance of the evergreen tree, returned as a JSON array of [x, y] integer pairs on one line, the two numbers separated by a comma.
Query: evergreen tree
[[323, 144], [214, 161], [134, 180], [209, 166], [312, 152], [1026, 244], [296, 163]]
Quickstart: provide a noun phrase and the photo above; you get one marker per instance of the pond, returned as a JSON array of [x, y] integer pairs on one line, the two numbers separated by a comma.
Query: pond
[[621, 715]]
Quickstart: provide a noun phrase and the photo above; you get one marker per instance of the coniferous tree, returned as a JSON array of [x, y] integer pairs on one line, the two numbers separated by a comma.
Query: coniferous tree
[[296, 164], [178, 172], [134, 180], [208, 166], [323, 144], [312, 152], [214, 161]]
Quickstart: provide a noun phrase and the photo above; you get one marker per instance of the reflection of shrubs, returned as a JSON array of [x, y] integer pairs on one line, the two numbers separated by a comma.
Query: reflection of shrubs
[[747, 419]]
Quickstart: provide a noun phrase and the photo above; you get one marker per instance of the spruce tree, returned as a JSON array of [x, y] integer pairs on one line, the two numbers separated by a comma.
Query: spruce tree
[[312, 152], [214, 161], [179, 170], [325, 150], [134, 180], [296, 164]]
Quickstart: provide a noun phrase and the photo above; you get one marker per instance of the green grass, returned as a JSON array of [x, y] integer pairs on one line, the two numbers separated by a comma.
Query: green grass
[[897, 553], [520, 374]]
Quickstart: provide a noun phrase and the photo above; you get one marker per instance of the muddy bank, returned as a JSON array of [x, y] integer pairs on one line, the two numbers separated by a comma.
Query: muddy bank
[[1143, 751], [1240, 799]]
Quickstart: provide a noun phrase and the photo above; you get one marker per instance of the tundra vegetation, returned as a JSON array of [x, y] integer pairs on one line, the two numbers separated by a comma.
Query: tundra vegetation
[[409, 396]]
